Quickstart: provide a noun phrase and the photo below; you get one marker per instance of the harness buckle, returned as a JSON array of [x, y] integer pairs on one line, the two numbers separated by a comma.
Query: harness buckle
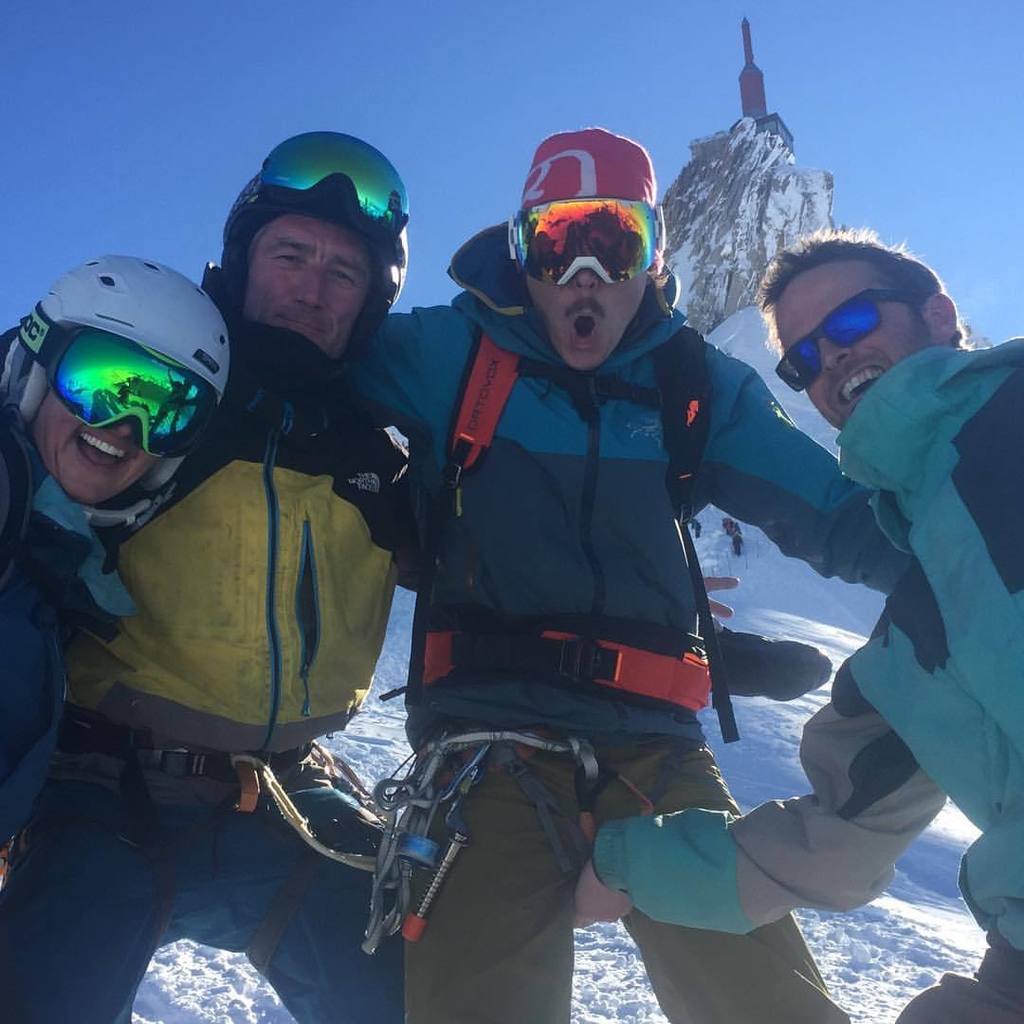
[[582, 658], [179, 764], [451, 475]]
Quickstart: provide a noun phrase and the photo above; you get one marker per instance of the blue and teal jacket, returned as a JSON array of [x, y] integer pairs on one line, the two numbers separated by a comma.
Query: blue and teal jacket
[[567, 523], [939, 437], [48, 557]]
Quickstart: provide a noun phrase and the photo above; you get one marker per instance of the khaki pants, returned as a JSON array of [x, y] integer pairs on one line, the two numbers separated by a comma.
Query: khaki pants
[[995, 995], [498, 948]]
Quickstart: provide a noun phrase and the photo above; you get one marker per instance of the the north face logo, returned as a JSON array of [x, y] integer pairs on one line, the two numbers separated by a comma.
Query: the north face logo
[[366, 482]]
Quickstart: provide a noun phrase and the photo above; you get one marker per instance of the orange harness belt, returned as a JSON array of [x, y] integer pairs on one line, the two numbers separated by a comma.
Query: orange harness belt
[[684, 681]]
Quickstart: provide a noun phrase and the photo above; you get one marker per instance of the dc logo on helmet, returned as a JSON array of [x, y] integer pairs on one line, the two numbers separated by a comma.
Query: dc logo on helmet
[[33, 331]]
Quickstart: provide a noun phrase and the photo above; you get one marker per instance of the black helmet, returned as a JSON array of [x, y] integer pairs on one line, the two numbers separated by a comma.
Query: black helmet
[[333, 177]]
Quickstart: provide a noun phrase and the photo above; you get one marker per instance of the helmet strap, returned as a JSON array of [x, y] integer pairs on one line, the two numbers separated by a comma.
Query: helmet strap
[[23, 382], [105, 517]]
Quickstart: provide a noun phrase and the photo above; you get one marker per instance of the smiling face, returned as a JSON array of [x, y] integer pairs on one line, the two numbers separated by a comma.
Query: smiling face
[[91, 464], [308, 276], [847, 373], [586, 317]]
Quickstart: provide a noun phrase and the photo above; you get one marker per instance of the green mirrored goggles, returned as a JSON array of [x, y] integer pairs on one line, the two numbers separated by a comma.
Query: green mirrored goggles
[[103, 378]]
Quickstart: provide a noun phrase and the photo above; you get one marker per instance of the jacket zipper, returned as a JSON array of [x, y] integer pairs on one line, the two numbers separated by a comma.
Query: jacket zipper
[[592, 417], [307, 610], [273, 529]]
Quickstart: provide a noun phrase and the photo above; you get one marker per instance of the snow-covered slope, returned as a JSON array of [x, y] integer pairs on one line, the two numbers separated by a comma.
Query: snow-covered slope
[[873, 959]]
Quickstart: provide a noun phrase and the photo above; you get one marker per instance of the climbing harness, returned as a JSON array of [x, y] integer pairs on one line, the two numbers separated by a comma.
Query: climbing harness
[[266, 779], [443, 773], [410, 803], [256, 776]]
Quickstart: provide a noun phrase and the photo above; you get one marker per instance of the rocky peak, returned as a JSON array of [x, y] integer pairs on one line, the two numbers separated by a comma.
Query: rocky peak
[[738, 201]]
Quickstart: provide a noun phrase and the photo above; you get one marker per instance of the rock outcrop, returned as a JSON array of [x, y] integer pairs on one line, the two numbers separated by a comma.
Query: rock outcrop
[[738, 201]]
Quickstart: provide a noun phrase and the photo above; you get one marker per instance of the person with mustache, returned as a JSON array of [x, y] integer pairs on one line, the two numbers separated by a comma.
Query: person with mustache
[[555, 643], [869, 331]]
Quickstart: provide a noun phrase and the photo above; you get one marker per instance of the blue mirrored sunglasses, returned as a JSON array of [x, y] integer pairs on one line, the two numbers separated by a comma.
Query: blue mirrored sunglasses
[[847, 324]]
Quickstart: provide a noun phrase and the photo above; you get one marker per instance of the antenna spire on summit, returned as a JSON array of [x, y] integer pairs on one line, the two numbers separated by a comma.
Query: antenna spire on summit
[[752, 98], [748, 49]]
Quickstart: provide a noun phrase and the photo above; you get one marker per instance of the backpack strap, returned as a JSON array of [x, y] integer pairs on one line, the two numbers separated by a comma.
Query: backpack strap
[[681, 371], [680, 367], [491, 373]]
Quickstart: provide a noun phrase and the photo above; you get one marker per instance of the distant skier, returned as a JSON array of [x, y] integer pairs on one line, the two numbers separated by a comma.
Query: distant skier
[[735, 534]]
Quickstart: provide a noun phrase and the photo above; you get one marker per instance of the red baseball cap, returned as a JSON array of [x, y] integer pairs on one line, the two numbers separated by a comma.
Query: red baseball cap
[[592, 163]]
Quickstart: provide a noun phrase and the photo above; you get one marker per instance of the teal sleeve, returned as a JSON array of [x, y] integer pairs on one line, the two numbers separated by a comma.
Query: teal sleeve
[[676, 868], [411, 371], [759, 468]]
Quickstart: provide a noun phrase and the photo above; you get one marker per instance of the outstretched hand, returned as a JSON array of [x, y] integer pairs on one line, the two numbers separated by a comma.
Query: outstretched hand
[[596, 902], [721, 611]]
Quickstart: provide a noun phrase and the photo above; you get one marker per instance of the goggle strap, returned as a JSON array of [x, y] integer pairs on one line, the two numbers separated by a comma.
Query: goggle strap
[[44, 338]]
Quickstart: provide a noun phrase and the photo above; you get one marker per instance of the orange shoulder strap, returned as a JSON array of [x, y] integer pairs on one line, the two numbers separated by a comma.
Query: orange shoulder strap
[[488, 386]]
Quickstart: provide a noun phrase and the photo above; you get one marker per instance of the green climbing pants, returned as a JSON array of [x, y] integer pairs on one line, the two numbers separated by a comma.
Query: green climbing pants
[[498, 948]]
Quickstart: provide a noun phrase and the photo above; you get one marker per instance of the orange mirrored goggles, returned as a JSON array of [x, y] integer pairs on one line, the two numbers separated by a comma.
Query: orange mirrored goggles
[[616, 238]]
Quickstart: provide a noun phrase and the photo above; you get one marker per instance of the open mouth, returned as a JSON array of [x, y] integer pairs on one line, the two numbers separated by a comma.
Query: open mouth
[[855, 386], [95, 445], [584, 326]]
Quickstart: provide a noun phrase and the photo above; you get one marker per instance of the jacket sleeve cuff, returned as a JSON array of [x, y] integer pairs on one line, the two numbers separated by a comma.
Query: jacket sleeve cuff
[[609, 854], [676, 868]]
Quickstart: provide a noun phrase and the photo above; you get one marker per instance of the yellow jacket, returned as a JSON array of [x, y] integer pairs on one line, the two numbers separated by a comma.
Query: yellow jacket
[[263, 591]]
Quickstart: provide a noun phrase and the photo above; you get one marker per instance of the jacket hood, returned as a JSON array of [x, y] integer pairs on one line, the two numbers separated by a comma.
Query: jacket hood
[[495, 297]]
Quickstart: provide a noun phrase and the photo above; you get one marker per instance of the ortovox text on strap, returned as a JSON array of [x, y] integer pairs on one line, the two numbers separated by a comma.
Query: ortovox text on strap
[[491, 378]]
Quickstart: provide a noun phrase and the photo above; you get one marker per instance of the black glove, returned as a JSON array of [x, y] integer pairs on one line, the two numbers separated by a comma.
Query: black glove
[[779, 669]]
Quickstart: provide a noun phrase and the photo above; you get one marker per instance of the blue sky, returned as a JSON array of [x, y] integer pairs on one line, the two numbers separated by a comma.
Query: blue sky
[[130, 127]]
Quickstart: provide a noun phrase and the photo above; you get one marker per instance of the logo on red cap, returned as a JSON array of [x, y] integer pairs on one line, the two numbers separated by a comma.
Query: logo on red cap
[[592, 163], [585, 172]]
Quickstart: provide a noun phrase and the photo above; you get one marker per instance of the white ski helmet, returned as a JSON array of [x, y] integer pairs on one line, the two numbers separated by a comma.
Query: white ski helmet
[[141, 300]]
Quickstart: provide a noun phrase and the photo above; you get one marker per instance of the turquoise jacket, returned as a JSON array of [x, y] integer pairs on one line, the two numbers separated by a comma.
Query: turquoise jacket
[[568, 520], [939, 438]]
